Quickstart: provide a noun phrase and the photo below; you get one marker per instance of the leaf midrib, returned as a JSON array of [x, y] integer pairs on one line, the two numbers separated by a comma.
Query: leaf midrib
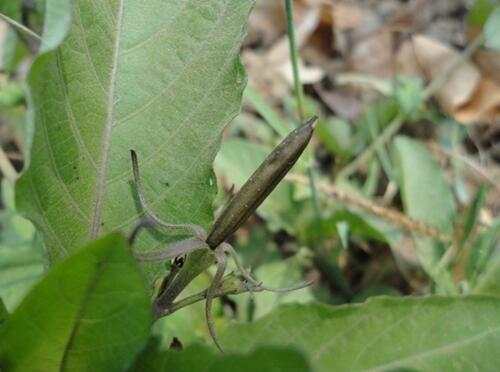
[[76, 323], [106, 142]]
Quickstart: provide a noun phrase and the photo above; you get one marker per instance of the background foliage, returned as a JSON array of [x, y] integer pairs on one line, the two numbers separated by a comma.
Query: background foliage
[[392, 209]]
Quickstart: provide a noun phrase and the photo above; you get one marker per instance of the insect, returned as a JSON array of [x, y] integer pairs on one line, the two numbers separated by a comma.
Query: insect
[[240, 207]]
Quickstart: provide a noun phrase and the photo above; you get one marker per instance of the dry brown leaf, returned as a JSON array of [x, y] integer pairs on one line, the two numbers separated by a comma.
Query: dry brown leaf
[[488, 61], [465, 95], [346, 16], [373, 55], [270, 72], [266, 22], [429, 59], [342, 102], [484, 105]]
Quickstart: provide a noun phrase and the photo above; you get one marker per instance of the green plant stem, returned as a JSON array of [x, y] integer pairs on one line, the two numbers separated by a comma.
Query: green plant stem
[[299, 92], [294, 58], [196, 263], [19, 27], [399, 120]]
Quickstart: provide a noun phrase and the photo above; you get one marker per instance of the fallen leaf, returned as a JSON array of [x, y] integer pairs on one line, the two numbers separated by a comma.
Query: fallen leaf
[[269, 72], [484, 104], [346, 16], [488, 62], [428, 58]]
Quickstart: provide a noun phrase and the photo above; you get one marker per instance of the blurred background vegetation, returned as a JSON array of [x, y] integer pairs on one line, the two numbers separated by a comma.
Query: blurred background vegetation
[[398, 193]]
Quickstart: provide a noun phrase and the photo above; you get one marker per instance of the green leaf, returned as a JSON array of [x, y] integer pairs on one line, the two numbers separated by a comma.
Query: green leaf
[[11, 94], [409, 94], [56, 23], [428, 198], [343, 233], [480, 12], [161, 77], [489, 281], [91, 312], [481, 261], [336, 135], [424, 188], [472, 214], [383, 334], [198, 358], [492, 30]]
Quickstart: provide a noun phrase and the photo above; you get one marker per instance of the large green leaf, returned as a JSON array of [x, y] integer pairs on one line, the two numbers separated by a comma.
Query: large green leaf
[[425, 334], [56, 23], [91, 312], [426, 194], [160, 76], [198, 358], [428, 198]]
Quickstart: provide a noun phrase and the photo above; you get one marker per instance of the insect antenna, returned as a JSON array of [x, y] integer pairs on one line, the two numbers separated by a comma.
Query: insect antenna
[[198, 230]]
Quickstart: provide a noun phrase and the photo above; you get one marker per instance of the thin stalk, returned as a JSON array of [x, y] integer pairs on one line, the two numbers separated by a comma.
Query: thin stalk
[[299, 92], [19, 27]]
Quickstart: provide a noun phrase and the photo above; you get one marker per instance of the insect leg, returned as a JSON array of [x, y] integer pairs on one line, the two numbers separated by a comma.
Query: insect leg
[[229, 249], [198, 230], [172, 250]]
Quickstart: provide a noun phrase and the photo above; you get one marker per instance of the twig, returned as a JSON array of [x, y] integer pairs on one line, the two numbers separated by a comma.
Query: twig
[[388, 214]]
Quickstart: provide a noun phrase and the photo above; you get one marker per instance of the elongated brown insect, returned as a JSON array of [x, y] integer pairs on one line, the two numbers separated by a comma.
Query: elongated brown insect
[[262, 182]]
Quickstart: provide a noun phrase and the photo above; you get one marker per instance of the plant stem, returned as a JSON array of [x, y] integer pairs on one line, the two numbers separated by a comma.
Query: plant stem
[[19, 27], [294, 58]]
